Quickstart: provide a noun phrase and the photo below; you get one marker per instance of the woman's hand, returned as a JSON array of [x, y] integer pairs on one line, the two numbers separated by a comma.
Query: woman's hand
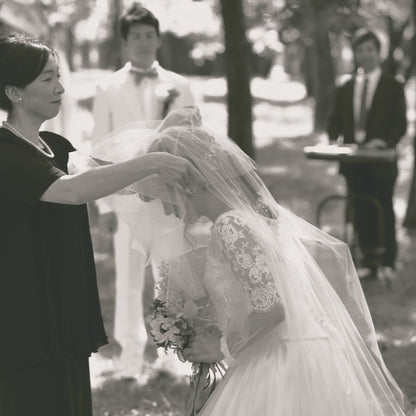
[[174, 170], [205, 348]]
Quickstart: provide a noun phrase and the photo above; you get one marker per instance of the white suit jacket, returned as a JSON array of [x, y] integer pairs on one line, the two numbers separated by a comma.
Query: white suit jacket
[[119, 100]]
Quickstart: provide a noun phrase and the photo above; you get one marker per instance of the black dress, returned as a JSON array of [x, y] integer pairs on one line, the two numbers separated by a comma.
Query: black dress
[[50, 318]]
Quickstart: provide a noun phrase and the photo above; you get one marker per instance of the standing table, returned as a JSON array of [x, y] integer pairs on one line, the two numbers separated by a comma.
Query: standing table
[[350, 154]]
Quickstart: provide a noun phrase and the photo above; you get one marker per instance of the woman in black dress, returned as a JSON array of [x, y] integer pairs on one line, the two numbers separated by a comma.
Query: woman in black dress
[[50, 319]]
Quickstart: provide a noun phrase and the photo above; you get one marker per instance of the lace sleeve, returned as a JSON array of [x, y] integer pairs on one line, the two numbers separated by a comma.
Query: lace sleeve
[[247, 260]]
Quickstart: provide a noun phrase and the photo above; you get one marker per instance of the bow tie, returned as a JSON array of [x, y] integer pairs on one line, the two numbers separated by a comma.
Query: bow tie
[[139, 74]]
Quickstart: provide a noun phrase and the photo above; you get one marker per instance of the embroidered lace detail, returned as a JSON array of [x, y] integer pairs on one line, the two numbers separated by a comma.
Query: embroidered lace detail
[[239, 248], [167, 291], [161, 288]]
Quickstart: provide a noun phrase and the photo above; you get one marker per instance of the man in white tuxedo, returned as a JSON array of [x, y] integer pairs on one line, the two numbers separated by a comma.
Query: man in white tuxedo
[[140, 91]]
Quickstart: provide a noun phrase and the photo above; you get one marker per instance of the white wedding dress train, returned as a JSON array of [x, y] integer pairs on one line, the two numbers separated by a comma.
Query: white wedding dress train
[[292, 378], [317, 370]]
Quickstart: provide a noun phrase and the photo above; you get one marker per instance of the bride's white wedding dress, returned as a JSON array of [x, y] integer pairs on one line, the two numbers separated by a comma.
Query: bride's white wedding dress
[[258, 258], [316, 373]]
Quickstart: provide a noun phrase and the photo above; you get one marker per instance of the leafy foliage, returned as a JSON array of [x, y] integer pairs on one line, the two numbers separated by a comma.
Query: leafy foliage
[[186, 17], [374, 10], [69, 11], [305, 15], [336, 16]]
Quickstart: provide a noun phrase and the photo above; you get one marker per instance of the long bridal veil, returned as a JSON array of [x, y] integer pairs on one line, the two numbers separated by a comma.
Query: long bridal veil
[[312, 271]]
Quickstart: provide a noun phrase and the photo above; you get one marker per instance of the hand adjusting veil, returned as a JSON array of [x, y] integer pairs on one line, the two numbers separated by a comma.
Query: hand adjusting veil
[[265, 254]]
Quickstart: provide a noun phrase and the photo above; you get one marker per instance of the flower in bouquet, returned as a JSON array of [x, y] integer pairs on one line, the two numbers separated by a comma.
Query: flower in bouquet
[[169, 330], [166, 95]]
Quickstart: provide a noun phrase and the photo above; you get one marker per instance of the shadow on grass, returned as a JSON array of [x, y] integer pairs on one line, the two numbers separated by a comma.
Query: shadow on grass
[[163, 395]]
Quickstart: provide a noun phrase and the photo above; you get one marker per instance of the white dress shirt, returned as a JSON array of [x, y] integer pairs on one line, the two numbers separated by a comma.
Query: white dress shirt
[[145, 91], [373, 79]]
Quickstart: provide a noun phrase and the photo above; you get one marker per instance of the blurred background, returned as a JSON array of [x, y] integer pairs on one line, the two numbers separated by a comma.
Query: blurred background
[[303, 41], [263, 71]]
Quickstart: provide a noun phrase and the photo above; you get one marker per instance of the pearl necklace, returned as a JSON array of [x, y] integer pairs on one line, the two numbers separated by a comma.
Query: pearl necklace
[[48, 153]]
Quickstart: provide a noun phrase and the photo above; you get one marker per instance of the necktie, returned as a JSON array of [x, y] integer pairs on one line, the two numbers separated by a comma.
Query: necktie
[[362, 116], [139, 75]]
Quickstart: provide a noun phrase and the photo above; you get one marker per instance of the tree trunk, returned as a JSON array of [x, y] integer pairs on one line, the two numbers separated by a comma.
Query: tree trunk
[[69, 47], [323, 74], [115, 44], [106, 55], [85, 55], [410, 217], [390, 64], [237, 70], [306, 71]]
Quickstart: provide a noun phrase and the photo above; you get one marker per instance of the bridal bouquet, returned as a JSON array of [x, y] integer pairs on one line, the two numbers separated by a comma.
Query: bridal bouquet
[[169, 331], [173, 326]]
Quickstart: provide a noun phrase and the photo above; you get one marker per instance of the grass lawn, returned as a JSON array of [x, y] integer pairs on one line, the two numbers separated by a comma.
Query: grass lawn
[[281, 131]]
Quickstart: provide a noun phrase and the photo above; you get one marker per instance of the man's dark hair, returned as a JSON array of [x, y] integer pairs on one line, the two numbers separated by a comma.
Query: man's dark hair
[[364, 35], [136, 13], [22, 59]]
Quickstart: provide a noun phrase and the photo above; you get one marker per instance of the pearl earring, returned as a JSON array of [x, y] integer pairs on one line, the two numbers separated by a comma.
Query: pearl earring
[[20, 99]]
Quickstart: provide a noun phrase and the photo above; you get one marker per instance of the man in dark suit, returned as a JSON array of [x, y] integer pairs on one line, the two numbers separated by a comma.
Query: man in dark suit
[[370, 110]]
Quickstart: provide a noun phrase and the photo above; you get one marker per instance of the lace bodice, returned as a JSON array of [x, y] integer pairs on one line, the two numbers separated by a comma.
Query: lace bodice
[[235, 244]]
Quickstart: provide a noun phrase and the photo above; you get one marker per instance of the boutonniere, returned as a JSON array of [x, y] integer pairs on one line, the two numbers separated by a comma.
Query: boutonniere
[[166, 95]]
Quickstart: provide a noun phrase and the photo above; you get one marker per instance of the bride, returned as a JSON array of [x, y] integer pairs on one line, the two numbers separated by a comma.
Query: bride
[[294, 329]]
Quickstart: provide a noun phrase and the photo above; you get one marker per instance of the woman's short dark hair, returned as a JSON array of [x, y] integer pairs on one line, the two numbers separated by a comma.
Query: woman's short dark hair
[[22, 59], [136, 13], [364, 35]]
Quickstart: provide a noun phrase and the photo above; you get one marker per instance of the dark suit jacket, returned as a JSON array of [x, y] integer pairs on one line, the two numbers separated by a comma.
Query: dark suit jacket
[[386, 119]]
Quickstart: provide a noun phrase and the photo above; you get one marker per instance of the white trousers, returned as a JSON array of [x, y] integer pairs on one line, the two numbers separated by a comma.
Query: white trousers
[[129, 325]]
